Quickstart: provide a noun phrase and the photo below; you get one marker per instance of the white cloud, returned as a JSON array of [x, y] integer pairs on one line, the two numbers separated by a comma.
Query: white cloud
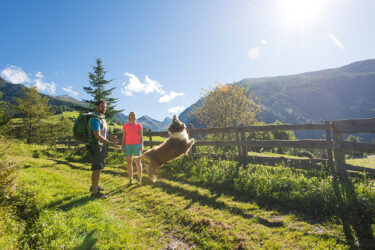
[[176, 110], [336, 41], [252, 6], [44, 86], [264, 42], [254, 53], [136, 86], [169, 97], [39, 75], [70, 90], [14, 74]]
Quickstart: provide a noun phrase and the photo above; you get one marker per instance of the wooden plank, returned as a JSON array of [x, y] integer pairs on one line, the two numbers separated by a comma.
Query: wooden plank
[[330, 146], [359, 169], [362, 147], [307, 164], [67, 143], [355, 126], [318, 126], [152, 143], [339, 154], [160, 133], [194, 147], [320, 144], [218, 156]]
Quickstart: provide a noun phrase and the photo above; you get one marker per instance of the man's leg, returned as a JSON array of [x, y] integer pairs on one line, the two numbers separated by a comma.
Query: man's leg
[[95, 180]]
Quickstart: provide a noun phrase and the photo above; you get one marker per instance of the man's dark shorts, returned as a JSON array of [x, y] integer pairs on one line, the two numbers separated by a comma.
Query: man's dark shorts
[[97, 155]]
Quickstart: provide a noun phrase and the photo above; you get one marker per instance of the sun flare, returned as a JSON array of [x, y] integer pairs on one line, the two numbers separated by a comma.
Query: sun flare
[[301, 13]]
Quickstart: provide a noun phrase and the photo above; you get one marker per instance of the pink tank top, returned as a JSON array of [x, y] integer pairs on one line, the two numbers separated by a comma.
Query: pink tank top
[[132, 133]]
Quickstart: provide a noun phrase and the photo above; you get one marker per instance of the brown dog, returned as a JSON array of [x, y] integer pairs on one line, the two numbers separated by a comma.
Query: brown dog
[[174, 147]]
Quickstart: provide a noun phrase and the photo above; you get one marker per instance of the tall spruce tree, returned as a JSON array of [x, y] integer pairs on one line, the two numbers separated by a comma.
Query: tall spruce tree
[[98, 92]]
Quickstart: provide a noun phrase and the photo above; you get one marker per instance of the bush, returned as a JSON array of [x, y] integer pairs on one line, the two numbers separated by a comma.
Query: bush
[[310, 192], [8, 169]]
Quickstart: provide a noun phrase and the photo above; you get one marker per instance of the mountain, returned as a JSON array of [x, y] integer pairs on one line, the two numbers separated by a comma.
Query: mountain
[[167, 121], [149, 123], [68, 98], [332, 94], [12, 91]]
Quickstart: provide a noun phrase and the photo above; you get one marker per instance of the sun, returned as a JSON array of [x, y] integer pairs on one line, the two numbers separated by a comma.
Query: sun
[[300, 13]]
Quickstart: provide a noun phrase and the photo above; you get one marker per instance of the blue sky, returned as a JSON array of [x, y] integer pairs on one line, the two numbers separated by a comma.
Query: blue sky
[[161, 54]]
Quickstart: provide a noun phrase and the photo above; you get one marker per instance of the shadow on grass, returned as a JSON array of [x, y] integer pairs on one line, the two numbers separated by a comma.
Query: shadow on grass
[[356, 217], [205, 200], [75, 203], [74, 167]]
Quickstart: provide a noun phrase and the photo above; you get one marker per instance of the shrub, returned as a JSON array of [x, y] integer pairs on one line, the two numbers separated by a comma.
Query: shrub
[[8, 169]]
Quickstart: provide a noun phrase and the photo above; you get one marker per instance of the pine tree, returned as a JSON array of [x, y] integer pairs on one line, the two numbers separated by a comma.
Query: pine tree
[[33, 108], [4, 117], [98, 92]]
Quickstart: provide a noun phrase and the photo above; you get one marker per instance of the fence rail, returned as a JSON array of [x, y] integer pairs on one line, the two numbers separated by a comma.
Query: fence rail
[[334, 145]]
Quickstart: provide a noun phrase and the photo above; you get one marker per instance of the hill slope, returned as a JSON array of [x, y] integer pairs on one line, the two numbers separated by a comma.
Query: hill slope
[[67, 103], [331, 94]]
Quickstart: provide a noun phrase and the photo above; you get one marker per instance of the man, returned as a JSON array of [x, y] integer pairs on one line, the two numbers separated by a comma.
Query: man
[[97, 146]]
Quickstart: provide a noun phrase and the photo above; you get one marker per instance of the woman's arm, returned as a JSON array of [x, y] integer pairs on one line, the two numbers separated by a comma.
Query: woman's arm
[[141, 137], [123, 140]]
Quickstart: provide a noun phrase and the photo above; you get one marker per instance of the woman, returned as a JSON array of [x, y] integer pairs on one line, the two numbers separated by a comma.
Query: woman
[[132, 141]]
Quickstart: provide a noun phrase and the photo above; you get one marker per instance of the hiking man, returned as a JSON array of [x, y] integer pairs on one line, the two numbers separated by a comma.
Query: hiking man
[[97, 146]]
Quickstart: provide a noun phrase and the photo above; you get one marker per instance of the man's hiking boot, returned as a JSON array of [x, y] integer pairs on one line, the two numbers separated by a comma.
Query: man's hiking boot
[[99, 189], [99, 195]]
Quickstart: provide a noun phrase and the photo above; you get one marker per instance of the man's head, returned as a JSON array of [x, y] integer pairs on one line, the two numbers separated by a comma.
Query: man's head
[[101, 106]]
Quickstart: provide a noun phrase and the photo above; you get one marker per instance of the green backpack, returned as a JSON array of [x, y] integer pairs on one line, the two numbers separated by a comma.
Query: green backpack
[[80, 127]]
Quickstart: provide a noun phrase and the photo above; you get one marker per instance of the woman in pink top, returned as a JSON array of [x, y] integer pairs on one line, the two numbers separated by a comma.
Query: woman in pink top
[[132, 144]]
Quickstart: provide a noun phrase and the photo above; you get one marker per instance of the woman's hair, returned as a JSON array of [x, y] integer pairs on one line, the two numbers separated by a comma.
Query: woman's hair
[[131, 113]]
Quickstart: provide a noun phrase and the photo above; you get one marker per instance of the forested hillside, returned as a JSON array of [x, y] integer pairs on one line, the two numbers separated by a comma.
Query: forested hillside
[[332, 94]]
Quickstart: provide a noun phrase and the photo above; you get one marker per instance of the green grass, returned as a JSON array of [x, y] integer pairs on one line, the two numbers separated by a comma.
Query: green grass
[[201, 203], [363, 162]]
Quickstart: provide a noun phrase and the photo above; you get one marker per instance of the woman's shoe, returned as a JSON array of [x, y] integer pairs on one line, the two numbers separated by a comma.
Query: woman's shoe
[[99, 195], [99, 189]]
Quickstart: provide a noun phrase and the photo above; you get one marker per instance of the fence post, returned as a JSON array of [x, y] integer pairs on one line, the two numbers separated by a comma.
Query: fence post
[[193, 148], [244, 147], [329, 140], [339, 154], [150, 138], [239, 148]]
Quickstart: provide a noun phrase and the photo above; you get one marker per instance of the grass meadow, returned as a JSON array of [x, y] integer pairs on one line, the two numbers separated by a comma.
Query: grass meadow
[[196, 203]]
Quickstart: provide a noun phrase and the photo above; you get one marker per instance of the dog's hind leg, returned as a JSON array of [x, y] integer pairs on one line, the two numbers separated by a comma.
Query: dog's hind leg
[[151, 171], [190, 144]]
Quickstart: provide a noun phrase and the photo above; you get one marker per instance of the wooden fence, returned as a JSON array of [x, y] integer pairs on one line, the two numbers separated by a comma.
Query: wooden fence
[[333, 144]]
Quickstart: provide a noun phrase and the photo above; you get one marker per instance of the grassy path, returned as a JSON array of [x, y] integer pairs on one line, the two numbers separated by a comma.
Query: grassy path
[[167, 214]]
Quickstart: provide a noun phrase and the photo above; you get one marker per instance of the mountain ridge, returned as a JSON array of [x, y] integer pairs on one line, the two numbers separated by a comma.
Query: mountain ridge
[[339, 93]]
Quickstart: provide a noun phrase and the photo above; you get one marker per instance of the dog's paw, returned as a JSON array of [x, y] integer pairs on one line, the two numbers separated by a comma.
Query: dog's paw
[[192, 141]]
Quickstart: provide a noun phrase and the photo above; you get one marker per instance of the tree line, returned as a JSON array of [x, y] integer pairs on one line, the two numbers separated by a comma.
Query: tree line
[[35, 124]]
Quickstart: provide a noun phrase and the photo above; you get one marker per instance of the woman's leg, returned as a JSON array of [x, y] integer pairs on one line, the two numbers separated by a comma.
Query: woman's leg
[[139, 168], [129, 160]]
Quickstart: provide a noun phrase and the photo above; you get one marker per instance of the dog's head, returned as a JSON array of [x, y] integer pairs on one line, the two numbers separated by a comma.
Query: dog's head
[[176, 125]]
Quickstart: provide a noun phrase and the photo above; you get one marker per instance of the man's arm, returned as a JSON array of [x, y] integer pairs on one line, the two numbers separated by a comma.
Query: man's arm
[[104, 140]]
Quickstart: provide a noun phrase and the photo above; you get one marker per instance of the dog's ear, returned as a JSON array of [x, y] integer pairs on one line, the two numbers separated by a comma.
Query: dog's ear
[[174, 118]]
